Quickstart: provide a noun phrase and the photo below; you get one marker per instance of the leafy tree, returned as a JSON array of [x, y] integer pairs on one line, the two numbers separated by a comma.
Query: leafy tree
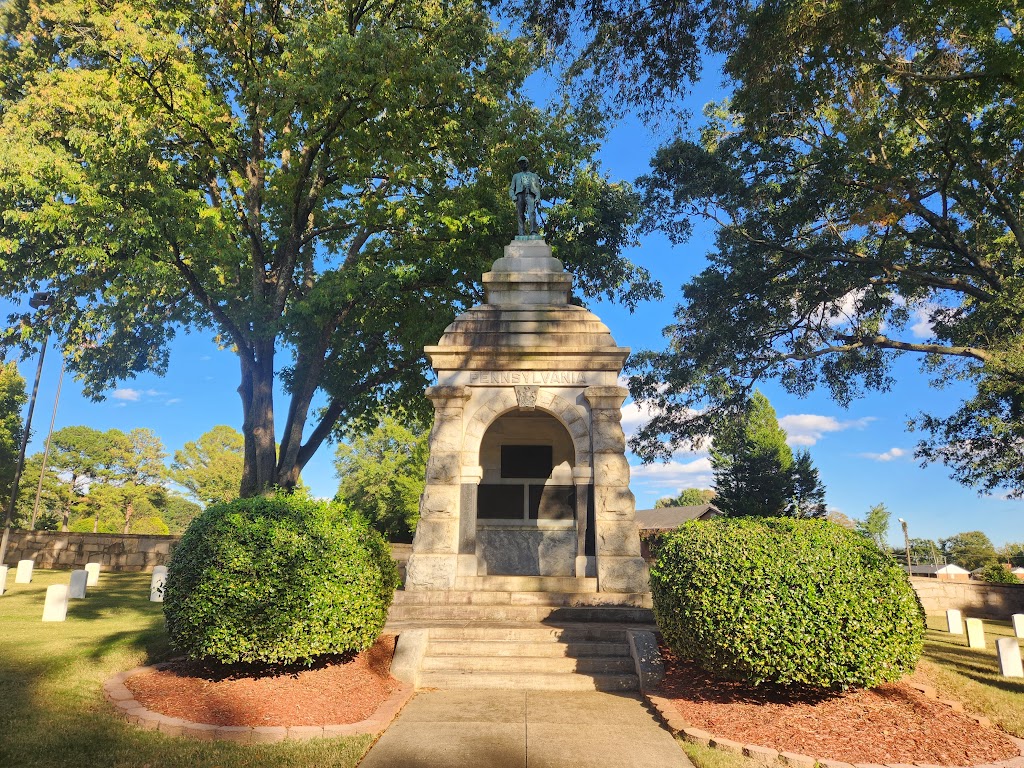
[[752, 463], [177, 512], [840, 519], [970, 550], [80, 455], [12, 399], [211, 467], [137, 471], [925, 551], [54, 495], [865, 178], [808, 494], [997, 573], [875, 526], [1012, 553], [688, 497], [382, 475], [317, 185]]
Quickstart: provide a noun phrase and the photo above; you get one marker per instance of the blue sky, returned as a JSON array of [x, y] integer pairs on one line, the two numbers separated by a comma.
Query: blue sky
[[864, 454]]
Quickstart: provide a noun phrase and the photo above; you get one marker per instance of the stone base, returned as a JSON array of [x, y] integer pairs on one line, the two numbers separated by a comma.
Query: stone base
[[426, 571], [622, 574]]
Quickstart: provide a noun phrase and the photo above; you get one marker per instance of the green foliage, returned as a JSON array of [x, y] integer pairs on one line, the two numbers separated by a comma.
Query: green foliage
[[12, 398], [796, 602], [688, 497], [277, 580], [970, 550], [875, 526], [382, 475], [317, 185], [178, 512], [1012, 553], [211, 467], [755, 472], [863, 178], [997, 573]]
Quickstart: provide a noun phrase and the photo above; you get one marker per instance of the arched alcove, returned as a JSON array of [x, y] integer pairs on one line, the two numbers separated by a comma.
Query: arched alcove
[[526, 500]]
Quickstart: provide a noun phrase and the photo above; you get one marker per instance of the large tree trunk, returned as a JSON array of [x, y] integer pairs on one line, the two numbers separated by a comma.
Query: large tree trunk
[[259, 474]]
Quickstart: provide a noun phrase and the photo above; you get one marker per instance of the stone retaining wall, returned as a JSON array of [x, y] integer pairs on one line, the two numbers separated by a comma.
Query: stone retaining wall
[[115, 551], [987, 601]]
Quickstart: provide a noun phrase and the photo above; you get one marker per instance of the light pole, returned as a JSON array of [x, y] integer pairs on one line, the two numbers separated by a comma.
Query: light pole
[[906, 543], [38, 301]]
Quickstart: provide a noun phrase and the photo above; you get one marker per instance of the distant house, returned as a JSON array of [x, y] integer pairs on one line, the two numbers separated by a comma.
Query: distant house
[[663, 519], [943, 572], [1018, 572]]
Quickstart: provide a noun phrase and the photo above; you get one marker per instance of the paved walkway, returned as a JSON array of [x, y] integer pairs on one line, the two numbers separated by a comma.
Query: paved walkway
[[516, 729]]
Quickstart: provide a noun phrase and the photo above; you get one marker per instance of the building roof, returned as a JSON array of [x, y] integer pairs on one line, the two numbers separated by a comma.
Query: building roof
[[669, 518], [931, 570]]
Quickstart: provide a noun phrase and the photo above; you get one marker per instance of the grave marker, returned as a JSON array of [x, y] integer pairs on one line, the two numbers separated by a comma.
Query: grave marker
[[79, 579], [955, 622], [1018, 624], [156, 584], [24, 573], [3, 578], [975, 633], [1008, 650], [93, 569], [56, 606]]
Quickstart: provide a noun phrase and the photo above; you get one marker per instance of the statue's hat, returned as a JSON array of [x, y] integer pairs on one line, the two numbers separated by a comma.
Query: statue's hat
[[522, 159]]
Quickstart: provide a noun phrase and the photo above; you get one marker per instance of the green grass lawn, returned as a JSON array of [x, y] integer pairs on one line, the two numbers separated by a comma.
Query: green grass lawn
[[52, 710], [972, 675]]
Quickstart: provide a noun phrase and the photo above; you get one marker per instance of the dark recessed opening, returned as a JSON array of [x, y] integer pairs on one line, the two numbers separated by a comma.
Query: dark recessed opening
[[526, 461]]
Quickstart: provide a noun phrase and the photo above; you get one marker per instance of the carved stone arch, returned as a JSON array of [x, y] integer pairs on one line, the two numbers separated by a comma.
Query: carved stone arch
[[569, 415]]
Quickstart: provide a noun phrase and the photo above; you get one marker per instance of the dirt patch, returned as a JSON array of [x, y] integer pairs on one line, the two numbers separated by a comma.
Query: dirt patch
[[890, 724], [337, 691]]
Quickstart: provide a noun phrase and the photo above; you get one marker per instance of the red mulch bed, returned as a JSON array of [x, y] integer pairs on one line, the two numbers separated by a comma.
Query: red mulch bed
[[890, 724], [338, 691]]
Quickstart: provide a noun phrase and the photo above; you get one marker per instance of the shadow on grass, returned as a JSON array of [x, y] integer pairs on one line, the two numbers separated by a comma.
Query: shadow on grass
[[985, 674]]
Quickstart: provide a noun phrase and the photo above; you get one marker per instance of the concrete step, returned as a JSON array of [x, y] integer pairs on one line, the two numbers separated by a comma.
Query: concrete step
[[572, 599], [523, 665], [521, 613], [537, 633], [534, 681], [517, 648], [525, 584]]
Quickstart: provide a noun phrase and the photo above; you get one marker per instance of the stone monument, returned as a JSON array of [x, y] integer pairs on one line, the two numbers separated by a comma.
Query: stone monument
[[527, 475]]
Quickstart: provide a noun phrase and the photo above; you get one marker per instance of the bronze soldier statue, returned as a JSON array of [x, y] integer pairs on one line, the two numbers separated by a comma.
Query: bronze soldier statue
[[525, 190]]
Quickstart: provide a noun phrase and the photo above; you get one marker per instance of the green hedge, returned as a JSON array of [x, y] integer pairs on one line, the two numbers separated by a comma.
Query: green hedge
[[277, 580], [795, 602]]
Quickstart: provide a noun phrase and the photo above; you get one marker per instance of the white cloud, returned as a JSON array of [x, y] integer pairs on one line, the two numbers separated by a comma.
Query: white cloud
[[809, 428], [173, 400], [634, 415], [668, 479], [922, 326], [892, 453], [127, 394]]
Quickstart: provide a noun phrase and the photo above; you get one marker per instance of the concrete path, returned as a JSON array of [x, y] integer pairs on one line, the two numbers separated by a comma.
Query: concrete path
[[520, 729]]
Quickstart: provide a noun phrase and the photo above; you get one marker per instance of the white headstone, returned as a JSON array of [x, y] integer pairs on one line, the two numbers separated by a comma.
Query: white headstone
[[975, 633], [955, 622], [24, 573], [3, 578], [1018, 624], [93, 569], [1008, 650], [156, 584], [56, 606], [78, 581]]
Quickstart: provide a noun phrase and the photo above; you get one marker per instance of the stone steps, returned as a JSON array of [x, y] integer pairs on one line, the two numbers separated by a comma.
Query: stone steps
[[546, 584], [557, 636], [465, 597], [401, 611], [529, 681], [578, 649], [518, 665]]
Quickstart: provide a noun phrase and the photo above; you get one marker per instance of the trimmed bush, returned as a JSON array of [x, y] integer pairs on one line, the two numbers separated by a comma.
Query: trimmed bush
[[997, 573], [277, 580], [794, 602]]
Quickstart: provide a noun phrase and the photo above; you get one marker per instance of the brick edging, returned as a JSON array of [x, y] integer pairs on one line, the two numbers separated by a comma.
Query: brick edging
[[117, 693], [768, 756]]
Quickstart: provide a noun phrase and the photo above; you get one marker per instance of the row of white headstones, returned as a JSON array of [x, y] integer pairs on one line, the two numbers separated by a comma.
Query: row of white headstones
[[1007, 648], [55, 608]]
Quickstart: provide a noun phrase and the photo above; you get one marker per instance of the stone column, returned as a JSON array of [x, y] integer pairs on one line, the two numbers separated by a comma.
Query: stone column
[[435, 549], [620, 568]]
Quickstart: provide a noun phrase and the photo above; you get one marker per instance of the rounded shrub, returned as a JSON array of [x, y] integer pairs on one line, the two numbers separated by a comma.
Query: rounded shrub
[[277, 580], [794, 602]]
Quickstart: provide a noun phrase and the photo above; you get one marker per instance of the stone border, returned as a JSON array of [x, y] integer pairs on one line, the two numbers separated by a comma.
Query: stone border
[[117, 693], [772, 757]]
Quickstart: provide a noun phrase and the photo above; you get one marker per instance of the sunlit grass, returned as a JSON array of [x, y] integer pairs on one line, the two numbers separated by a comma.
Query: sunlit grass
[[706, 757], [972, 675], [52, 711]]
